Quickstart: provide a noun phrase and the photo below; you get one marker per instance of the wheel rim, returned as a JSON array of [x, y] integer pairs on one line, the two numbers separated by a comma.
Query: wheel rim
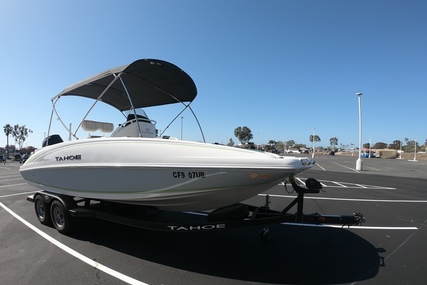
[[58, 216], [41, 210]]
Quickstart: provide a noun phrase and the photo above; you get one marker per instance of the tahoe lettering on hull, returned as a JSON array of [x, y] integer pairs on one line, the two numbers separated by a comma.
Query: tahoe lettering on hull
[[68, 157]]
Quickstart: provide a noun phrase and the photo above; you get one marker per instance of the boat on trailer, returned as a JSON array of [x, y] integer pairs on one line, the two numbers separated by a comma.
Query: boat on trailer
[[134, 176], [134, 165]]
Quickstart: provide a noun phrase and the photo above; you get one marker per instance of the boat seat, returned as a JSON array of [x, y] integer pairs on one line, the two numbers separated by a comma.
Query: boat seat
[[93, 126], [136, 127], [132, 117]]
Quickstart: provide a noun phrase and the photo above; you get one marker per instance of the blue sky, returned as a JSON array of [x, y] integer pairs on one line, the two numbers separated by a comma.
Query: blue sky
[[281, 68]]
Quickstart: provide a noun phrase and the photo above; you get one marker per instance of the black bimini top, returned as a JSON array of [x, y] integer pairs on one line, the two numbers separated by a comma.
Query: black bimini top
[[149, 82]]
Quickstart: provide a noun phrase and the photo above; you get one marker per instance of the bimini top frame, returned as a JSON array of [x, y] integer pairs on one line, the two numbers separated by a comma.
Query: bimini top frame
[[143, 83]]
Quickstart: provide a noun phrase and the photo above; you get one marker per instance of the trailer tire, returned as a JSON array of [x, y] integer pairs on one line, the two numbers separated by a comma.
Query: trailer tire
[[42, 210], [60, 218]]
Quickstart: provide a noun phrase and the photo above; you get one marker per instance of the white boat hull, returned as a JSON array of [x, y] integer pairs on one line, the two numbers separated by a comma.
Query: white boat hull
[[168, 174]]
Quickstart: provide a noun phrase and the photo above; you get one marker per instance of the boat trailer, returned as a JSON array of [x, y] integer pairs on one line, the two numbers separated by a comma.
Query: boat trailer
[[62, 211]]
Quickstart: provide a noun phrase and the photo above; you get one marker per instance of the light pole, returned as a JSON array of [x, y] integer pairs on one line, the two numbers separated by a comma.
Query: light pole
[[415, 151], [359, 162], [369, 155], [312, 155]]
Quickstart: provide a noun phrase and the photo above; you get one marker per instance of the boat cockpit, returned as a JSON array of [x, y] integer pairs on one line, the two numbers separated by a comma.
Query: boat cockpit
[[137, 125]]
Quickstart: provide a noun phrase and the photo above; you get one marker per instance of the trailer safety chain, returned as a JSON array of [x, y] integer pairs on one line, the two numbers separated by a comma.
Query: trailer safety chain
[[358, 218], [285, 185]]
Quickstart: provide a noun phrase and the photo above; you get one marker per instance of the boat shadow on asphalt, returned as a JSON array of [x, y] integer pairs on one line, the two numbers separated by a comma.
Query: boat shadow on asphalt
[[290, 254]]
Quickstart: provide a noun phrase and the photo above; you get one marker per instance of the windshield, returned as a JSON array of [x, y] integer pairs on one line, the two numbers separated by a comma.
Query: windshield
[[140, 113]]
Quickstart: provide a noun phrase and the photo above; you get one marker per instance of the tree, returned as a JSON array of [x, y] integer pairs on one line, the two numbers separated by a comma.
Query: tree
[[333, 141], [396, 144], [316, 138], [271, 146], [280, 146], [289, 144], [20, 133], [7, 131], [380, 145], [244, 135], [27, 150], [411, 145]]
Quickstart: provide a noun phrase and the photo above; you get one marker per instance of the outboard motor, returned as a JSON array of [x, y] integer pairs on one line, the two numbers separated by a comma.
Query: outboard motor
[[51, 140]]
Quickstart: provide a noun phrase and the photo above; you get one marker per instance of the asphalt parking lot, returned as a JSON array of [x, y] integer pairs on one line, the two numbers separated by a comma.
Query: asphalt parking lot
[[389, 248]]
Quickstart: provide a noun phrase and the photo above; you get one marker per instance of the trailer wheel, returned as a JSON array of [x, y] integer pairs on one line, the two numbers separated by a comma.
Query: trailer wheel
[[60, 218], [42, 210]]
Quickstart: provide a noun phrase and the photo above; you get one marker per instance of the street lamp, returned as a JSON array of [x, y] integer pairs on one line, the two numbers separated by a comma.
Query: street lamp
[[312, 155], [369, 155], [359, 162], [415, 151]]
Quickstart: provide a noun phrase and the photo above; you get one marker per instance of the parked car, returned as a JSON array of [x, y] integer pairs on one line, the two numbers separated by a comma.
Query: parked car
[[25, 157], [366, 154], [17, 157]]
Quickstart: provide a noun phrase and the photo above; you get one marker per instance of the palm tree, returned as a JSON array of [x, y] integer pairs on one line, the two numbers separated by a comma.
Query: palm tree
[[8, 129]]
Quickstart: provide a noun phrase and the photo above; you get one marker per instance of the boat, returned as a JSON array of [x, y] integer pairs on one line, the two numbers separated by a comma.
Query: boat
[[136, 165]]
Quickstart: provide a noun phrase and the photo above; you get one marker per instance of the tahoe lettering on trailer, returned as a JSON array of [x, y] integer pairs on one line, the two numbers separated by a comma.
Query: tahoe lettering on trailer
[[196, 228], [68, 157]]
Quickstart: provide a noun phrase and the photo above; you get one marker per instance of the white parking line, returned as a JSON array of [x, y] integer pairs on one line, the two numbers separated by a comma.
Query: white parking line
[[17, 194], [321, 167], [346, 167], [339, 184], [336, 184], [299, 179], [348, 199], [74, 253], [352, 227], [18, 178], [376, 228], [4, 186], [8, 174]]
